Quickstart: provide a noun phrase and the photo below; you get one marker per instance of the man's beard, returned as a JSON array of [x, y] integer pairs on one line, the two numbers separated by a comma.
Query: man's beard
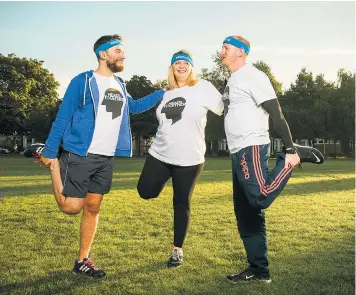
[[113, 67]]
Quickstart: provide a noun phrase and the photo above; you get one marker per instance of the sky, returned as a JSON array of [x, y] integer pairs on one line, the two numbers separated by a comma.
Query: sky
[[288, 36]]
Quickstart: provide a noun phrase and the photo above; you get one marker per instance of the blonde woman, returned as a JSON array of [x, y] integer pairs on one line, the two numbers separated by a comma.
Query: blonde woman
[[179, 145]]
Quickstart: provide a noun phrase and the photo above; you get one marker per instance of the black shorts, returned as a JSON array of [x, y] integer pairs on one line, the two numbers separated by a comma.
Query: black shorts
[[82, 175]]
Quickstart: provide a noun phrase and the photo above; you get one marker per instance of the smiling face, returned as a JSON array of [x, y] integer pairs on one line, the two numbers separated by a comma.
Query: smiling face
[[181, 70], [114, 58]]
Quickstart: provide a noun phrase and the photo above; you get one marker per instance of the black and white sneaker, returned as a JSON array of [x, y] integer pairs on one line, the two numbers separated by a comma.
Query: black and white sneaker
[[308, 154], [248, 276], [87, 267], [176, 259]]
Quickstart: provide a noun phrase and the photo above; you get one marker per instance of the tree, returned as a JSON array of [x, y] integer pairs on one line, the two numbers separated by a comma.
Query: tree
[[27, 90], [143, 125], [298, 106], [343, 111], [277, 86], [316, 108], [41, 123], [160, 84], [218, 74]]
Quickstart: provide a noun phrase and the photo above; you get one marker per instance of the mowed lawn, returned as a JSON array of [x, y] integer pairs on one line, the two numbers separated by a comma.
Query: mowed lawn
[[310, 231]]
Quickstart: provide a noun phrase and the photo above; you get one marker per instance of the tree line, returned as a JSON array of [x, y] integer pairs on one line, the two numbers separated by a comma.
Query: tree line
[[313, 107]]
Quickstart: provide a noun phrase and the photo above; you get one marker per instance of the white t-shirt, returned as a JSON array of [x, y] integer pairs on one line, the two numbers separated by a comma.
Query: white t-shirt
[[180, 138], [109, 116], [246, 122]]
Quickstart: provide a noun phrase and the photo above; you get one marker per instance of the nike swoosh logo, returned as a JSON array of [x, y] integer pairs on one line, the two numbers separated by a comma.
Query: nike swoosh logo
[[318, 160], [249, 277]]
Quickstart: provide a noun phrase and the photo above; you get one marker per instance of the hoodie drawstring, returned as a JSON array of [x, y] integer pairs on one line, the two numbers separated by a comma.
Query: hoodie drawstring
[[85, 88]]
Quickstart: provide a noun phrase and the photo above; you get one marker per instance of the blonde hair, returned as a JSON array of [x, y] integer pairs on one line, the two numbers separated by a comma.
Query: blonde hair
[[192, 78], [243, 40]]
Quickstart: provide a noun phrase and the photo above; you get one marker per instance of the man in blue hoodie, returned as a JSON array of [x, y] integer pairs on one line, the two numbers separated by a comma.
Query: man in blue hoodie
[[93, 126]]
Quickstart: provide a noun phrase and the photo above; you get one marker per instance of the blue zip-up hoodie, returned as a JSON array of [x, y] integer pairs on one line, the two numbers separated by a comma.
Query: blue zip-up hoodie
[[75, 120]]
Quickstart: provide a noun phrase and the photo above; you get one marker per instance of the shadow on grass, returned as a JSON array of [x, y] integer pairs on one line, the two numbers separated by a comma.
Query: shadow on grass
[[322, 271], [53, 283], [66, 282], [326, 272]]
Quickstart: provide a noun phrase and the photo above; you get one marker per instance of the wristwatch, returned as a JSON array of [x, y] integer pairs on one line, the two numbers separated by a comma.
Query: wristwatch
[[291, 150]]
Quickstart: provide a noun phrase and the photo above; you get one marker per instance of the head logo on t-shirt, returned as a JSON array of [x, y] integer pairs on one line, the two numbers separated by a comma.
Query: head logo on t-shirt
[[113, 100], [174, 108], [226, 100]]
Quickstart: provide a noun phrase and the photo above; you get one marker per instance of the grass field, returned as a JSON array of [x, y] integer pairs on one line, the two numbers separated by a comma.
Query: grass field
[[310, 233]]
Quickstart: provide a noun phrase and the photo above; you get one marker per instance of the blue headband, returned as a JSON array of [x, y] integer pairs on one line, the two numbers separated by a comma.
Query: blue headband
[[237, 43], [107, 45], [182, 56]]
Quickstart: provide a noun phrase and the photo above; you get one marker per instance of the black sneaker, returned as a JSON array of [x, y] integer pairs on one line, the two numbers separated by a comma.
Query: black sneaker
[[247, 276], [176, 259], [87, 267], [308, 154]]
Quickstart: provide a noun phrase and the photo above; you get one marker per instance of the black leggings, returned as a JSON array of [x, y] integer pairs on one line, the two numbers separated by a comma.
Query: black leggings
[[155, 174]]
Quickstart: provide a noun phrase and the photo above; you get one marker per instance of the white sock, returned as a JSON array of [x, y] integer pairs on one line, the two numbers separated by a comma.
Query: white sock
[[180, 250]]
